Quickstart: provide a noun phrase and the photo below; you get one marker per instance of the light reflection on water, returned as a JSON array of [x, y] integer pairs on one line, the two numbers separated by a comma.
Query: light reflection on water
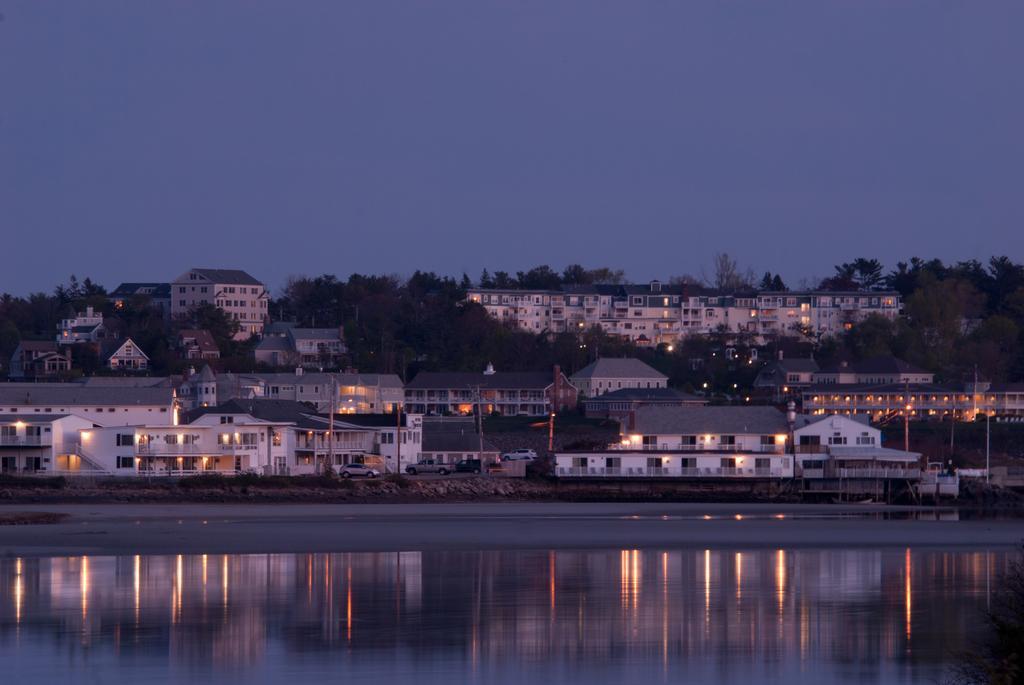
[[548, 616]]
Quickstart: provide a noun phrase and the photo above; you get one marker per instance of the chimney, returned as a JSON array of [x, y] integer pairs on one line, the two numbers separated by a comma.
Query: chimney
[[780, 355], [298, 370], [489, 371]]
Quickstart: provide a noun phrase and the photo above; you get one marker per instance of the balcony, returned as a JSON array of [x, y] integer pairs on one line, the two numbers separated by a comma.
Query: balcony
[[23, 441], [670, 472], [166, 449]]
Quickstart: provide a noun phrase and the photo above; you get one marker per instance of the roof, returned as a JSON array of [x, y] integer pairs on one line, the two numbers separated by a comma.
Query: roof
[[118, 346], [876, 365], [612, 367], [206, 375], [273, 343], [797, 365], [79, 394], [126, 382], [658, 420], [470, 379], [266, 410], [31, 418], [203, 339], [38, 345], [647, 394], [847, 388], [229, 276], [315, 333], [148, 289]]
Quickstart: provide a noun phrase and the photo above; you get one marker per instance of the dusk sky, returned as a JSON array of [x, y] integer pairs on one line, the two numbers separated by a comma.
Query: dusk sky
[[138, 139]]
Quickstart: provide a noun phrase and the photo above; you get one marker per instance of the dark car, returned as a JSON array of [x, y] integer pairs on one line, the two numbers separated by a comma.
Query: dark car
[[467, 466]]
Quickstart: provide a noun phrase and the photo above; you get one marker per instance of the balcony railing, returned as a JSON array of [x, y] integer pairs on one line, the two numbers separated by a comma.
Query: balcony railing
[[164, 448], [668, 472], [732, 449], [22, 441]]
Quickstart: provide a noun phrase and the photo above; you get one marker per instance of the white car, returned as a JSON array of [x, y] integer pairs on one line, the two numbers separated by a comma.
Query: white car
[[349, 470], [521, 454]]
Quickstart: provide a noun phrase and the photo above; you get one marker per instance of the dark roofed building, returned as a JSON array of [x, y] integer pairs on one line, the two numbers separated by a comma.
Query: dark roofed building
[[614, 373], [38, 359], [785, 377], [621, 405], [508, 393], [876, 370], [197, 344]]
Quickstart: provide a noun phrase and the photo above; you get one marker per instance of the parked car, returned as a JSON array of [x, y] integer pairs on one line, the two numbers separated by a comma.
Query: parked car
[[468, 466], [349, 470], [427, 466], [521, 454]]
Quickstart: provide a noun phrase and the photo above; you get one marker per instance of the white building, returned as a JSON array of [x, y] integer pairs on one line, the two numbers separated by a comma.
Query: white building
[[32, 443], [102, 402], [310, 348], [657, 313], [84, 327], [127, 356], [241, 296], [609, 374], [354, 393]]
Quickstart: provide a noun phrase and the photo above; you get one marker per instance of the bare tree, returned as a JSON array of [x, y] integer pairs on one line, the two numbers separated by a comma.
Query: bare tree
[[727, 274]]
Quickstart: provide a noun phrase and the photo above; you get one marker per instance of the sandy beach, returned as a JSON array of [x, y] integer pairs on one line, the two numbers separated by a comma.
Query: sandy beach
[[212, 528]]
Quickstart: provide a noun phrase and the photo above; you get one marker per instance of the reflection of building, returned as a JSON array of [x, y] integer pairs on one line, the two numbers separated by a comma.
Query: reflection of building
[[719, 615]]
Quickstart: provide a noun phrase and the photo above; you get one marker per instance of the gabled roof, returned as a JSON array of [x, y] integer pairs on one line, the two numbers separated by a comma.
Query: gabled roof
[[226, 276], [612, 367], [78, 394], [648, 394], [661, 420], [117, 347], [442, 380], [38, 346]]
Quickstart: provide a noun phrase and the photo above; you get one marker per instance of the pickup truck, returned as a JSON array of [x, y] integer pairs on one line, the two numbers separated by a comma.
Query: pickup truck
[[427, 466]]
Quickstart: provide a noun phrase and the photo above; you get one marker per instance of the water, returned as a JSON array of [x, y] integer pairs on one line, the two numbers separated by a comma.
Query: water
[[603, 616]]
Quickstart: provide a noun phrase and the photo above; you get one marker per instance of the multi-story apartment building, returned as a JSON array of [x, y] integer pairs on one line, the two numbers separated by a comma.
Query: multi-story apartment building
[[506, 393], [240, 295], [917, 401], [354, 393], [656, 313]]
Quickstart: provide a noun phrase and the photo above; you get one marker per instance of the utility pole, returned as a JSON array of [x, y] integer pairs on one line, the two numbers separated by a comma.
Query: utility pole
[[398, 436], [480, 425], [988, 435], [906, 419], [551, 433], [330, 427]]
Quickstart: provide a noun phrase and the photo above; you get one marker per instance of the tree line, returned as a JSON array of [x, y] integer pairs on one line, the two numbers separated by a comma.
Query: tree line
[[958, 317]]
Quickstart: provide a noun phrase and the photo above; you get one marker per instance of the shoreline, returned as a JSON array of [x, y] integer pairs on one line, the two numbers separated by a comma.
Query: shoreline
[[123, 529]]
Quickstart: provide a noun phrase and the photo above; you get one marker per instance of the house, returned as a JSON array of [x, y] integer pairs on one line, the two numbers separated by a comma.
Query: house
[[242, 297], [39, 359], [744, 443], [306, 347], [691, 442], [156, 295], [84, 327], [101, 401], [34, 443], [786, 377], [883, 370], [608, 374], [353, 393], [449, 440], [621, 405], [126, 356], [438, 393], [197, 344]]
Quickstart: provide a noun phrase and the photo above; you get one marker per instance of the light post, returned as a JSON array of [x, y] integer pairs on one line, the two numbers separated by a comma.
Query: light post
[[988, 436]]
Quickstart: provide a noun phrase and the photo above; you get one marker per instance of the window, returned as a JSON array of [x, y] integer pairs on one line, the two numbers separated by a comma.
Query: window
[[579, 462], [727, 440], [613, 462], [125, 440], [865, 439], [728, 462], [767, 439], [227, 419], [762, 463], [837, 439], [248, 439], [654, 462], [125, 462]]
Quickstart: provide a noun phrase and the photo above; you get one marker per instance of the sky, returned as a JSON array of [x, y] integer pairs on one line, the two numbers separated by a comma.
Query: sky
[[139, 139]]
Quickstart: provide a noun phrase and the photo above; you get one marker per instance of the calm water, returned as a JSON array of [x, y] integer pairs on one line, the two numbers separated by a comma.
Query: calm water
[[606, 616]]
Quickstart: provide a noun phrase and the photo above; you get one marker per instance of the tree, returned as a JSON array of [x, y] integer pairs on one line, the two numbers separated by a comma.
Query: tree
[[539, 278], [727, 275]]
